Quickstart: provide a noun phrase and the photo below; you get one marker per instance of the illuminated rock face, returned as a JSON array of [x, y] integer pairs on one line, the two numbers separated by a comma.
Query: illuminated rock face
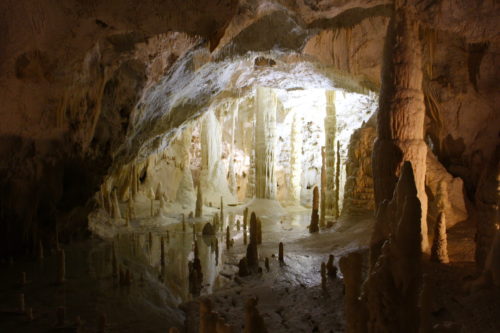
[[265, 143], [295, 159]]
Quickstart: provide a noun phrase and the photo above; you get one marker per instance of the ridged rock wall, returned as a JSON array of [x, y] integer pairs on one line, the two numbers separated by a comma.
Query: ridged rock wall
[[358, 192]]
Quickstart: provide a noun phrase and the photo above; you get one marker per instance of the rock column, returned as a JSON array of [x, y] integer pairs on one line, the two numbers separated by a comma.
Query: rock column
[[265, 143], [401, 113], [330, 132]]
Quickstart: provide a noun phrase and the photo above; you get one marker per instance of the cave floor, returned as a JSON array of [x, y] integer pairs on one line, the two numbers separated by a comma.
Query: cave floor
[[290, 296]]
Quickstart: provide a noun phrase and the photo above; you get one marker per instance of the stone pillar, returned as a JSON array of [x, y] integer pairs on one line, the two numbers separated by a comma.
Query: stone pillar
[[265, 143], [330, 133], [401, 113], [295, 159]]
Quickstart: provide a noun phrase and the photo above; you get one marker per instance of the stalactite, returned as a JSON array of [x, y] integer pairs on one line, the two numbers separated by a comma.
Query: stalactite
[[158, 192], [401, 113], [151, 195], [265, 143], [330, 267], [295, 159], [330, 133]]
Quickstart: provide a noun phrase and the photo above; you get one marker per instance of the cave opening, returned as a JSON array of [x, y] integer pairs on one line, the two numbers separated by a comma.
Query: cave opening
[[249, 166]]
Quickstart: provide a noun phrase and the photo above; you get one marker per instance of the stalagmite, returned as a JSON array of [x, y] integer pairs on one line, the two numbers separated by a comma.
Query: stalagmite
[[314, 226], [295, 160], [351, 266], [23, 278], [266, 264], [61, 267], [265, 143], [330, 133], [233, 186], [183, 223], [336, 195], [103, 319], [252, 252], [199, 203], [395, 263], [330, 267], [228, 238], [281, 253], [253, 321], [29, 314], [238, 225], [401, 113], [322, 217], [439, 250]]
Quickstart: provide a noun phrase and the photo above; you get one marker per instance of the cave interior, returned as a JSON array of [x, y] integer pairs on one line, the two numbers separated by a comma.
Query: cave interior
[[250, 166]]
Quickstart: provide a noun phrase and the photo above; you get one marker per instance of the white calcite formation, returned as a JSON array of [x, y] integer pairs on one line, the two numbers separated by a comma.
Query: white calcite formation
[[185, 192], [213, 173], [265, 143], [330, 131]]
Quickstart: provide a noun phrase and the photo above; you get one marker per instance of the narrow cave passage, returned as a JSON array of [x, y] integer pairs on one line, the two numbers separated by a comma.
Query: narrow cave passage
[[249, 166]]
